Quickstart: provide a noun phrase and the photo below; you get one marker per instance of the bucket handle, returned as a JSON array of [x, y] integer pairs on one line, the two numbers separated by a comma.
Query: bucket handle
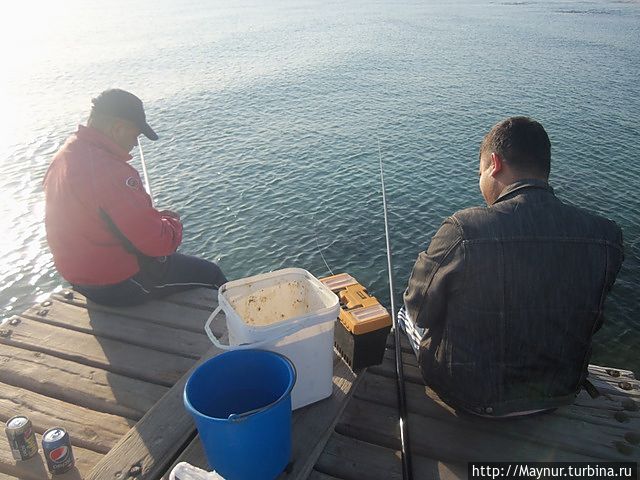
[[216, 341], [239, 417]]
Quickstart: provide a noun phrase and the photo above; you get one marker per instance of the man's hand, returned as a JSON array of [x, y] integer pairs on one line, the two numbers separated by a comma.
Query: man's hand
[[170, 213]]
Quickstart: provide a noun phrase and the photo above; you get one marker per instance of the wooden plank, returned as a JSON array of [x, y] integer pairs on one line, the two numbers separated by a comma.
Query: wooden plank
[[311, 426], [614, 386], [455, 441], [128, 330], [193, 454], [155, 440], [96, 431], [89, 387], [608, 403], [315, 475], [387, 368], [111, 355], [613, 372], [36, 468], [404, 343], [188, 316], [570, 428], [345, 457], [203, 298], [601, 410]]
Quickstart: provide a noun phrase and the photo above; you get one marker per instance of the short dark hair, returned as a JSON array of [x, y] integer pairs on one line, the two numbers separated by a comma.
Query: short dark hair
[[522, 143]]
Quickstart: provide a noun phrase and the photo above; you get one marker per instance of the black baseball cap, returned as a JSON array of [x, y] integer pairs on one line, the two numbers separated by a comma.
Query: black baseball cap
[[122, 104]]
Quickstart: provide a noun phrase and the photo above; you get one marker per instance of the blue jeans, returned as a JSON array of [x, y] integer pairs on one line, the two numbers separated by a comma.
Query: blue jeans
[[157, 278]]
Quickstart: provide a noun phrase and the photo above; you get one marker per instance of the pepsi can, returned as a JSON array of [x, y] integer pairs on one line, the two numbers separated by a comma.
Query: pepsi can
[[57, 450], [22, 440]]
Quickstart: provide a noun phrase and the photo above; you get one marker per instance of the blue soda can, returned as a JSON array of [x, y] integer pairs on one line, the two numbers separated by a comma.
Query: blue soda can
[[57, 450]]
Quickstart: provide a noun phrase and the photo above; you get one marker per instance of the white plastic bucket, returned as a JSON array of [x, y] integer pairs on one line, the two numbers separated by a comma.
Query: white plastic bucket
[[288, 311]]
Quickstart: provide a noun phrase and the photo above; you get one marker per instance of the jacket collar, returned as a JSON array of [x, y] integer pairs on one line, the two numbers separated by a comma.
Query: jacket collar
[[521, 185], [99, 139]]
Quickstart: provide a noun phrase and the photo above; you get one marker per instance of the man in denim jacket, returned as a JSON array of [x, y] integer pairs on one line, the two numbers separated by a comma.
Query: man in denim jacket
[[503, 305]]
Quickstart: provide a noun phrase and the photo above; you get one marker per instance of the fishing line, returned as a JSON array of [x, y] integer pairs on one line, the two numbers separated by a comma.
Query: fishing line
[[315, 233], [407, 470], [315, 222], [147, 185]]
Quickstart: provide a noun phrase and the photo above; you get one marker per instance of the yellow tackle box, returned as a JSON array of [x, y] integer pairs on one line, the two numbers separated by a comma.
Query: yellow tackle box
[[361, 334]]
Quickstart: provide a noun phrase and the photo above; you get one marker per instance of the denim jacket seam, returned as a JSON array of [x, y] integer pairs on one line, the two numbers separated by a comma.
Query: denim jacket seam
[[435, 271], [603, 296], [451, 248]]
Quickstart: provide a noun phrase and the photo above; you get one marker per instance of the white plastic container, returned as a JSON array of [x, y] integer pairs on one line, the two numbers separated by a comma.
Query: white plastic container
[[288, 311]]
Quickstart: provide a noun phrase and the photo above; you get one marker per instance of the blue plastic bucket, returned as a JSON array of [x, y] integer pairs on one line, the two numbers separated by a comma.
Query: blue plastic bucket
[[241, 403]]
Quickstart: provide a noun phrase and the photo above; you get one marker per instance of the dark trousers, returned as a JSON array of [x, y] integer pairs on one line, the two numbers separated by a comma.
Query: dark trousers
[[157, 278]]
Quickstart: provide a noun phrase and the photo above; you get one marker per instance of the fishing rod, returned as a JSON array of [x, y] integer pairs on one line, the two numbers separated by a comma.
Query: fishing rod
[[407, 469], [147, 185]]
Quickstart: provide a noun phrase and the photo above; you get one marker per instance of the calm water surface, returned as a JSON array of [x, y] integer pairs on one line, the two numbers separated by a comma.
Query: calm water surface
[[270, 113]]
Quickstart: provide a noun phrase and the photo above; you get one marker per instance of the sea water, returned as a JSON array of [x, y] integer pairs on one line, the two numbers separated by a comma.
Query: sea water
[[270, 114]]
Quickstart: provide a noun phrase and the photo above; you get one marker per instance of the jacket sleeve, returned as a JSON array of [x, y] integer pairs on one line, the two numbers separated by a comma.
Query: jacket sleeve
[[129, 207], [433, 273]]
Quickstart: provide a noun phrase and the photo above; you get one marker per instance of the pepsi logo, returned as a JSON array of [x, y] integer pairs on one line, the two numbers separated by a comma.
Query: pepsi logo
[[59, 453]]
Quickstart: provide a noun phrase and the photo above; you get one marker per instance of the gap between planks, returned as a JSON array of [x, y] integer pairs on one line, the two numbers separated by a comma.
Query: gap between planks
[[351, 459]]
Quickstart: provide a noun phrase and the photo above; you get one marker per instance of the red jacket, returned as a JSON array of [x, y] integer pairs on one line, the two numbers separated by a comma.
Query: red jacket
[[89, 182]]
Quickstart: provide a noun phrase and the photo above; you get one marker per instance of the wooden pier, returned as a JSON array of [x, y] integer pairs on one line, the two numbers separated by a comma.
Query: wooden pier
[[114, 378]]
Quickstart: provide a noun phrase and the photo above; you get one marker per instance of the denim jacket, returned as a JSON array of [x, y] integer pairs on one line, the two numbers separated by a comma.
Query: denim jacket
[[510, 296]]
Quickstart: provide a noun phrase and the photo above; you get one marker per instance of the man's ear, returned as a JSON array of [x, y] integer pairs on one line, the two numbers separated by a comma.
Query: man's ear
[[118, 126], [110, 130], [496, 164], [118, 130]]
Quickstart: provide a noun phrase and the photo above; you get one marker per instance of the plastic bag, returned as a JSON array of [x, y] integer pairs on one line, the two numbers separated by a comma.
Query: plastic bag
[[186, 471]]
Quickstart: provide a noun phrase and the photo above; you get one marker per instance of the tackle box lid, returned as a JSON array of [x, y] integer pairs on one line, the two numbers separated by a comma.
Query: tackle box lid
[[360, 313]]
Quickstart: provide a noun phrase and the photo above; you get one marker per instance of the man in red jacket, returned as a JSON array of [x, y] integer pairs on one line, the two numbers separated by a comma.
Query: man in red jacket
[[106, 238]]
